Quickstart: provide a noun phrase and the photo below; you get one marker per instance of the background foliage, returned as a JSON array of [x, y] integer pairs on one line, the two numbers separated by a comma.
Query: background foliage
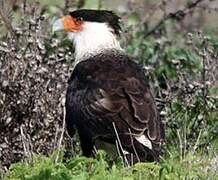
[[177, 44]]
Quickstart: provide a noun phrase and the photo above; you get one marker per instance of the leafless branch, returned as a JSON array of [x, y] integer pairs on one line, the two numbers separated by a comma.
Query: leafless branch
[[4, 15], [119, 143], [134, 149], [177, 15]]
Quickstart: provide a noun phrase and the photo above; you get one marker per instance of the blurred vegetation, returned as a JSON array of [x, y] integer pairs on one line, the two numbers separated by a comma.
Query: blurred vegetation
[[87, 168], [179, 50]]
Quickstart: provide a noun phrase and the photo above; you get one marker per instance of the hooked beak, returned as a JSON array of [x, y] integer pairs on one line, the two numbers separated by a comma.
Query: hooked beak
[[58, 25], [68, 24]]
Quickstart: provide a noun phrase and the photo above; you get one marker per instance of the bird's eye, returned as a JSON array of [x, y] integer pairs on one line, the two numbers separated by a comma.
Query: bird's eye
[[79, 19]]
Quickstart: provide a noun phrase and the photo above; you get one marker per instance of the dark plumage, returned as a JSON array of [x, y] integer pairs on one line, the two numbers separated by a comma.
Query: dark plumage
[[110, 87], [102, 16]]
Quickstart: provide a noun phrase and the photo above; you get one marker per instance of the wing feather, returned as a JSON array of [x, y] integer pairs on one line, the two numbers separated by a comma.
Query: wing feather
[[118, 94], [136, 109]]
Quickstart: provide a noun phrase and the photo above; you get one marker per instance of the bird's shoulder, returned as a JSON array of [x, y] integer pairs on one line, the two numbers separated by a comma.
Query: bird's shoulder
[[108, 68]]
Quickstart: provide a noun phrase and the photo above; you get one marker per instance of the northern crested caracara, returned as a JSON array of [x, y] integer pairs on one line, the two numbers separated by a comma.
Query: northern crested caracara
[[108, 97]]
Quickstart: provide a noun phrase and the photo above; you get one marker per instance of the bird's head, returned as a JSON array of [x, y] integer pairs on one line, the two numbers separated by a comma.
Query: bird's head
[[92, 31]]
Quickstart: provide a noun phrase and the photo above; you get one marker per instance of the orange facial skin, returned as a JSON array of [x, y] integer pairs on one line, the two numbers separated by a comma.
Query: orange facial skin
[[72, 24]]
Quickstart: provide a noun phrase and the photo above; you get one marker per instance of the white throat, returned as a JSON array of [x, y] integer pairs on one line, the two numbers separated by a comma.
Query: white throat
[[93, 39]]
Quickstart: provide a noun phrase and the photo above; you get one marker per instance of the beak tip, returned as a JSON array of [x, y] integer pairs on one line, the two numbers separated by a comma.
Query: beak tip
[[57, 25]]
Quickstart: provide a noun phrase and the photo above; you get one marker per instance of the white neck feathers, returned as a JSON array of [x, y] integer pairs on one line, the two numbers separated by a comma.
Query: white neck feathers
[[93, 39]]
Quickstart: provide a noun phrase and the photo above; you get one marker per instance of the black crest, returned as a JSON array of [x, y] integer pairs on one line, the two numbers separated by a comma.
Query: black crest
[[99, 16]]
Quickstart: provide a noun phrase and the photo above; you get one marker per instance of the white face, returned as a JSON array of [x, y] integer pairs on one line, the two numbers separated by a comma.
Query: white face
[[89, 38], [94, 38]]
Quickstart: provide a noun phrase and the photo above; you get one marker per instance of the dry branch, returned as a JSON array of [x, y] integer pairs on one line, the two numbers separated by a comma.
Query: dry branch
[[177, 15], [5, 16]]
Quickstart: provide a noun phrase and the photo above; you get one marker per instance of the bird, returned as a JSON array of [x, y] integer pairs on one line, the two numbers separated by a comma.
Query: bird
[[108, 98]]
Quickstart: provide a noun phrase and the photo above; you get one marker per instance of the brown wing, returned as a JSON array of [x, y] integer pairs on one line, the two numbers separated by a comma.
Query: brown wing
[[120, 93], [130, 105], [110, 91]]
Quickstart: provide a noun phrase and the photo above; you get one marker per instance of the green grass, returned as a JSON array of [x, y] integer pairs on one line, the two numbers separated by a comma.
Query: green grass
[[54, 168]]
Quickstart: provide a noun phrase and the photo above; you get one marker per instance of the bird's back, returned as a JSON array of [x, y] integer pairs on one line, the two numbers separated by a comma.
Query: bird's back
[[109, 92]]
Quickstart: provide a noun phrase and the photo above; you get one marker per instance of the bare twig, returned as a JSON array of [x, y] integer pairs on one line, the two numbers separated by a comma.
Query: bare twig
[[62, 132], [134, 149], [204, 73], [118, 149], [178, 15], [95, 151], [23, 141], [197, 141], [120, 145], [26, 144], [4, 15], [63, 126], [180, 143]]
